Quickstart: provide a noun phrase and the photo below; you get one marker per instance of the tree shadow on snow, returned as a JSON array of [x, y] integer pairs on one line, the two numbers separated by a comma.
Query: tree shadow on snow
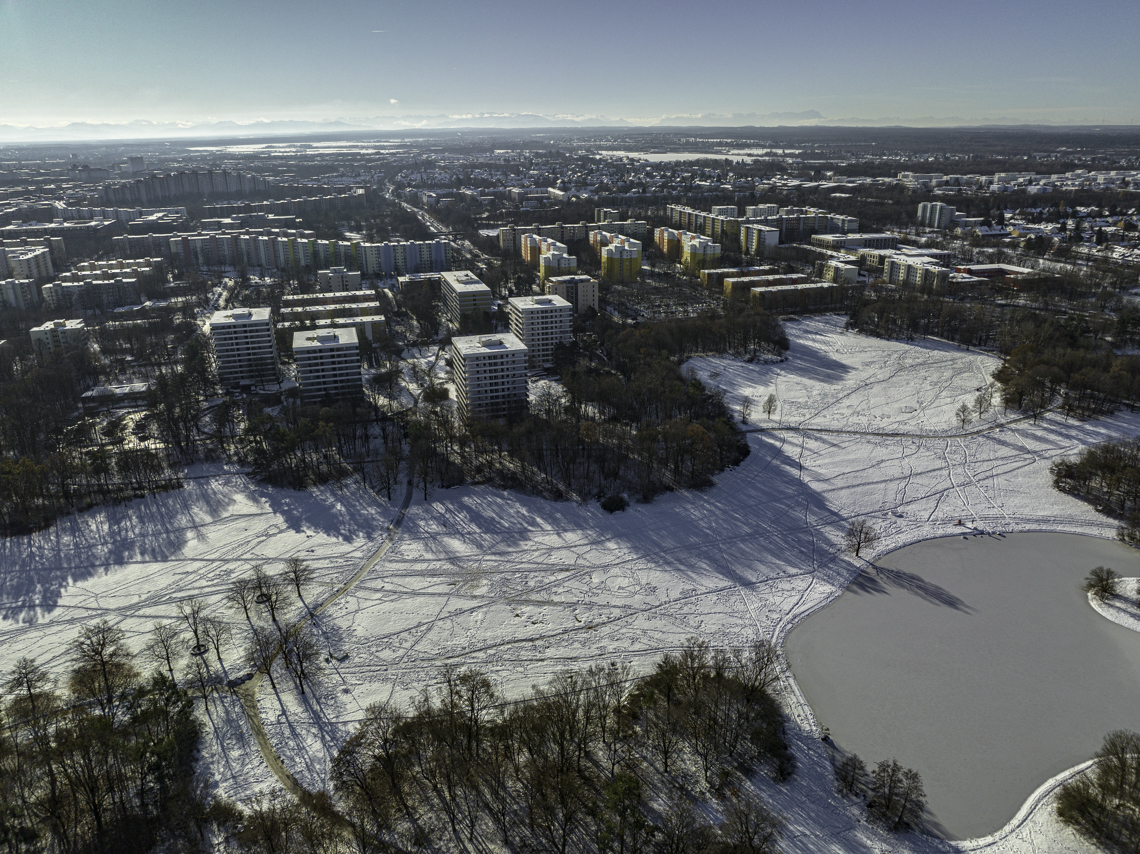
[[885, 580]]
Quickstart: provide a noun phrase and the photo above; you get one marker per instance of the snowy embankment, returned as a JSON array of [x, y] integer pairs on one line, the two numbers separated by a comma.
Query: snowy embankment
[[1120, 609], [522, 588]]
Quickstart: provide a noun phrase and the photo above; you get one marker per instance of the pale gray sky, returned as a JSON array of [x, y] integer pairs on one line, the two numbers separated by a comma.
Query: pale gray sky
[[175, 60]]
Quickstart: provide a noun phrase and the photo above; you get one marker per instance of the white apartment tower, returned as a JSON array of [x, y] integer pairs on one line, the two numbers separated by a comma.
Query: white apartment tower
[[244, 349], [540, 323], [490, 375], [328, 363], [57, 335], [463, 293], [580, 291]]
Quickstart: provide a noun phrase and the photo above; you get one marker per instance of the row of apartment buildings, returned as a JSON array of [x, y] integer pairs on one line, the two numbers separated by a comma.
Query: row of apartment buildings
[[289, 249]]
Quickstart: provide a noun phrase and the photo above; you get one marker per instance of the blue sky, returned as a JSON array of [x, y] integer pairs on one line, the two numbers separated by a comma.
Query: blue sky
[[162, 60]]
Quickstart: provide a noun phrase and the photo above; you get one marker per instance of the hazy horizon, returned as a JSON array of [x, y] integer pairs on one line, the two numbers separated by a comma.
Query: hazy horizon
[[387, 66]]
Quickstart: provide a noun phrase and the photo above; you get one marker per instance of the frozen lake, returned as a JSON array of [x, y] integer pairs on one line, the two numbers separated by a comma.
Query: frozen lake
[[976, 661]]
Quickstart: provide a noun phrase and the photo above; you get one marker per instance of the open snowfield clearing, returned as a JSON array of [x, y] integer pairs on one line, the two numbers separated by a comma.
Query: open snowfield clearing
[[523, 587]]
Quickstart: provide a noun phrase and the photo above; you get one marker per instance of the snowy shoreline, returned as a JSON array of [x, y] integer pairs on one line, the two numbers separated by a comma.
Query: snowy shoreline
[[1120, 609]]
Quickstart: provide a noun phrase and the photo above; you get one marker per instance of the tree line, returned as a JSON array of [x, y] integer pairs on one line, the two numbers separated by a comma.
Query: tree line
[[1103, 803], [1049, 359], [1108, 477], [584, 764]]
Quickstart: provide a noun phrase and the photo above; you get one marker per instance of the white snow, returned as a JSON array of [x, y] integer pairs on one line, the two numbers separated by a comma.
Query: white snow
[[523, 587]]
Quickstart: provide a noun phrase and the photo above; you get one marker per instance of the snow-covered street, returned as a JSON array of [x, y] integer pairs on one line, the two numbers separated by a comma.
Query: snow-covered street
[[523, 587]]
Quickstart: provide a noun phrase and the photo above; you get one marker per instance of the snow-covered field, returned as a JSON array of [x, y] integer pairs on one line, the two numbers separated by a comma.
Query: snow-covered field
[[523, 587]]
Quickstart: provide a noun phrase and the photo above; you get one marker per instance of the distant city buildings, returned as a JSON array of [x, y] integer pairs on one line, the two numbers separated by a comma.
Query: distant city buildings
[[936, 215], [490, 375], [244, 348]]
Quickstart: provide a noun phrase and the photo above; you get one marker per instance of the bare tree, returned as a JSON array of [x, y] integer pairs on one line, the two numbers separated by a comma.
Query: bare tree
[[860, 534], [750, 827], [298, 573], [263, 649], [1103, 584], [192, 613], [267, 591], [303, 655], [242, 593], [165, 647], [984, 402], [102, 665], [745, 408], [964, 414], [897, 795], [770, 405], [850, 774], [216, 634]]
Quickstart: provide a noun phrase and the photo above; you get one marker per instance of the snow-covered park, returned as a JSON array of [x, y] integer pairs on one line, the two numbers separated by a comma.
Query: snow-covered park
[[522, 587]]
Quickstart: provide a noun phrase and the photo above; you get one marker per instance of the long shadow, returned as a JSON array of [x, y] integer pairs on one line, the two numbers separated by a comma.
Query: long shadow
[[886, 579]]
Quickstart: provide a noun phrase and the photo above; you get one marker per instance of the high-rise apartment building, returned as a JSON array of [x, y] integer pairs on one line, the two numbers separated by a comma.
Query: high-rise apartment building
[[541, 323], [490, 375], [19, 293], [580, 291], [244, 349], [328, 363], [57, 335], [338, 280], [463, 293]]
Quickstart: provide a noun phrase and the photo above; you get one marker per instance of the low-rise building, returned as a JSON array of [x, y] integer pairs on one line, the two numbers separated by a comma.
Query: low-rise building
[[714, 279], [735, 289], [490, 375], [916, 272], [328, 363], [57, 335], [837, 272], [541, 323], [244, 348], [855, 241], [798, 297], [463, 293], [580, 291]]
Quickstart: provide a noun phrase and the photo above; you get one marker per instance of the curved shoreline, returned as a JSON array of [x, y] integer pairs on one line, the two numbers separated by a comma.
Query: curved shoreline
[[1123, 615], [803, 712]]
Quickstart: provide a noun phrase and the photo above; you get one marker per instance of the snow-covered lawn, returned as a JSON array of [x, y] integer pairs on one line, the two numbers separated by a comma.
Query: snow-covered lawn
[[523, 587]]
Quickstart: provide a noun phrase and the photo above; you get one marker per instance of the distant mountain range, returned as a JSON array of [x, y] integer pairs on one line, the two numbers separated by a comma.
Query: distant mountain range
[[140, 129]]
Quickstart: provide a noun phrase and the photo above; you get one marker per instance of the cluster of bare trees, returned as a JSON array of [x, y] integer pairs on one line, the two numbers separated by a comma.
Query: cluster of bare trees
[[100, 760], [1103, 804], [574, 767], [895, 795], [264, 599], [1108, 476]]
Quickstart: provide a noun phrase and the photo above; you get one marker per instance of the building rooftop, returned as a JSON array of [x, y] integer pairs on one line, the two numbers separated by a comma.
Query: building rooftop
[[312, 339], [462, 281], [482, 344], [238, 315], [540, 302]]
